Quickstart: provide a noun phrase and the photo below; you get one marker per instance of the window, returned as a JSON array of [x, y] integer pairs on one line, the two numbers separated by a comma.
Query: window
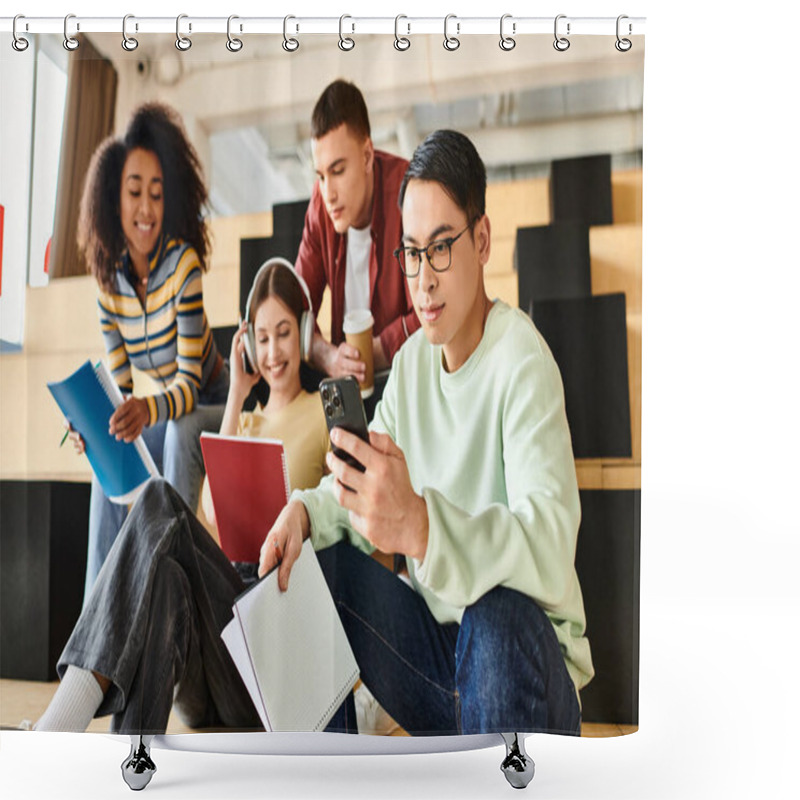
[[33, 90]]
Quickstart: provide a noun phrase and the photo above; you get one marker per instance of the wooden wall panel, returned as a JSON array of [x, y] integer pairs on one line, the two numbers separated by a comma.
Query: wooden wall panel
[[14, 417], [227, 231], [596, 473], [221, 296], [503, 286], [517, 204], [626, 196], [635, 380], [31, 423], [616, 257], [501, 258], [62, 317]]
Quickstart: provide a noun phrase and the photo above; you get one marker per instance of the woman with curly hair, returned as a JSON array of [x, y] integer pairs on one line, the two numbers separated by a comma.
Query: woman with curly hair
[[142, 233]]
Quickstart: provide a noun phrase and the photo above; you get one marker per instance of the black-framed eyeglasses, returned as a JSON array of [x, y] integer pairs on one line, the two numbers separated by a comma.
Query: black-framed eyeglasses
[[438, 252]]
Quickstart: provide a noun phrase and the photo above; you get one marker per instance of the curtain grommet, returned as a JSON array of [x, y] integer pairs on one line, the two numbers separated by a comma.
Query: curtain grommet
[[19, 43], [401, 43], [451, 43], [345, 42], [183, 43], [560, 43], [623, 45], [507, 43], [70, 43], [289, 44], [129, 43], [233, 44]]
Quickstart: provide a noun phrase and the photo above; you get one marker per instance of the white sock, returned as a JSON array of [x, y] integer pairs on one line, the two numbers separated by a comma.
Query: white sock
[[74, 704]]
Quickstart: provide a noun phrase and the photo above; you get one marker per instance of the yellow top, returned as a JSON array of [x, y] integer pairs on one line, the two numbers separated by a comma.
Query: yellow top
[[302, 429]]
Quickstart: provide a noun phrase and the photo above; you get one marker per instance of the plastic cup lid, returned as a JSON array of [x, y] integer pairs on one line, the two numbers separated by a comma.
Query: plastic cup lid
[[358, 321]]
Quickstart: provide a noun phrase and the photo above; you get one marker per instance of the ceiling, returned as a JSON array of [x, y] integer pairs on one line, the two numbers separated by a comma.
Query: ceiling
[[248, 113]]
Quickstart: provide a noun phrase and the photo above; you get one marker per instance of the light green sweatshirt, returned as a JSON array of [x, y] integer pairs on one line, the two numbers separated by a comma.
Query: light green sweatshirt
[[489, 449]]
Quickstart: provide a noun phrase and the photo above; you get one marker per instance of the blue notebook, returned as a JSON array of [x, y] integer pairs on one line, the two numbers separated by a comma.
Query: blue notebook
[[87, 399]]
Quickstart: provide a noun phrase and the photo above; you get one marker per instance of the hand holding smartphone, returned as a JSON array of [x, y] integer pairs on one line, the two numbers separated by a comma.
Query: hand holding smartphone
[[341, 400]]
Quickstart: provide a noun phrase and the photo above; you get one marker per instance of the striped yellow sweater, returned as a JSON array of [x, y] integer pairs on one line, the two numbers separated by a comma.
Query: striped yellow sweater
[[168, 338]]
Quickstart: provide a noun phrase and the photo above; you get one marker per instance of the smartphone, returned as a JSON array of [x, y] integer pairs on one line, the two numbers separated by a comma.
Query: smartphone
[[248, 358], [341, 400]]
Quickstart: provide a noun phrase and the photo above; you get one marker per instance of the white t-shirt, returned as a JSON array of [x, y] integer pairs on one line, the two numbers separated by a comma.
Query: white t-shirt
[[356, 280]]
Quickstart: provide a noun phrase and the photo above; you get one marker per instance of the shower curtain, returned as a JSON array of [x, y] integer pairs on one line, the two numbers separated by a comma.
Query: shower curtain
[[558, 128]]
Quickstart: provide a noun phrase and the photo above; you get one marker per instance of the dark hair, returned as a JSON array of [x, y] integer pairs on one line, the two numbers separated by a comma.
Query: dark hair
[[340, 102], [450, 159], [159, 129], [281, 282]]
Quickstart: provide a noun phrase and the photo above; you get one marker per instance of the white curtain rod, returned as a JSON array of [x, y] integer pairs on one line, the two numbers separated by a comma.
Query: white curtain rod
[[349, 25]]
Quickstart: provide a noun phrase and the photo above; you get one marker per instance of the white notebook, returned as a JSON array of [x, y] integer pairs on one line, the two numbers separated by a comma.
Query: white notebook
[[291, 649]]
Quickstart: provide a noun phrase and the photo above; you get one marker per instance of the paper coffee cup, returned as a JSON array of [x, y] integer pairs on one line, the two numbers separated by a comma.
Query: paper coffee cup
[[357, 329]]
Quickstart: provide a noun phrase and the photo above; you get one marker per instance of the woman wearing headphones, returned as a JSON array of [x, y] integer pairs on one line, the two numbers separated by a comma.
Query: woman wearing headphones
[[149, 633], [143, 236], [271, 344]]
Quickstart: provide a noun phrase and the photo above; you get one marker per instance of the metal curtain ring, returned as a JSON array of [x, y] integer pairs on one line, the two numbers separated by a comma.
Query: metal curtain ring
[[561, 44], [400, 42], [70, 42], [345, 42], [451, 43], [233, 44], [128, 42], [19, 43], [506, 42], [623, 45], [289, 44], [183, 43]]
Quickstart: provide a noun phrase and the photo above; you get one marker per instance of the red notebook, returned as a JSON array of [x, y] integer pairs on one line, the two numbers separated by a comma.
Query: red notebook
[[249, 485]]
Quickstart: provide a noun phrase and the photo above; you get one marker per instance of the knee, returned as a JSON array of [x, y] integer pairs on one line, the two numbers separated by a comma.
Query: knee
[[182, 433], [156, 506], [503, 614], [156, 492], [139, 546], [509, 668], [501, 629]]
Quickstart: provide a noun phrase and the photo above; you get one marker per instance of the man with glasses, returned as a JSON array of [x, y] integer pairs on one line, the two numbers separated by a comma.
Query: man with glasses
[[470, 474]]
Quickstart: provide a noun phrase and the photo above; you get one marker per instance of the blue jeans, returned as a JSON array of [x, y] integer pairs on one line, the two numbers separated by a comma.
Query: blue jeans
[[501, 670], [175, 447]]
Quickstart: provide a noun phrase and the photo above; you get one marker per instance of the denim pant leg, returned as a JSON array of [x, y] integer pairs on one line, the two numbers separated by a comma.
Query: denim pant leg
[[106, 518], [153, 620], [406, 658], [183, 456], [510, 671]]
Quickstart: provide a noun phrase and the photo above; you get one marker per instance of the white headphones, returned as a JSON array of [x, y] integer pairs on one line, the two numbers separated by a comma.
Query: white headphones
[[306, 319]]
